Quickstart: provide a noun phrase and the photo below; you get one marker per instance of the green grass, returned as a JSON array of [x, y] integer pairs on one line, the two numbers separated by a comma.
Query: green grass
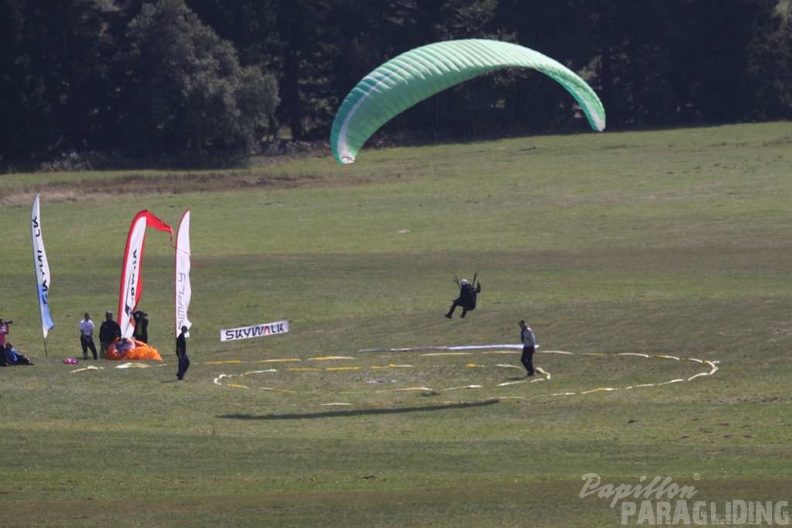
[[657, 243]]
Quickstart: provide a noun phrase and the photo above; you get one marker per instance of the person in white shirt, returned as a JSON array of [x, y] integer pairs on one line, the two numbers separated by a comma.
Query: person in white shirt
[[529, 348], [86, 336]]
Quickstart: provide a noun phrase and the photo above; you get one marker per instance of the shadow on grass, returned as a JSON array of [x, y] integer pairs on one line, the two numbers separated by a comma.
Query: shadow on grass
[[358, 412]]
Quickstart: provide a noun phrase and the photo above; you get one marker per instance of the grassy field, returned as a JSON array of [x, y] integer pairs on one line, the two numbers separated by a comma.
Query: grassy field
[[619, 249]]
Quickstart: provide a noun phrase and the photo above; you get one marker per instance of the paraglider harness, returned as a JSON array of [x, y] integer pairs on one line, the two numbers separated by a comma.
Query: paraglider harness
[[467, 293]]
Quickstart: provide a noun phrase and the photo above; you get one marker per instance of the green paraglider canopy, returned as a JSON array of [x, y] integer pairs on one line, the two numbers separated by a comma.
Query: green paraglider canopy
[[422, 72]]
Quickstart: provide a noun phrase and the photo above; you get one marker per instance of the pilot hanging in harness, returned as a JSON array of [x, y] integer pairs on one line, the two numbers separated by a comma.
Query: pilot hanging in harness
[[467, 297]]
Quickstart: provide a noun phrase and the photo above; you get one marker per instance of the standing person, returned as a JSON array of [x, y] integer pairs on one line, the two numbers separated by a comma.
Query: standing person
[[529, 348], [86, 336], [466, 299], [4, 331], [181, 353], [141, 326], [108, 332]]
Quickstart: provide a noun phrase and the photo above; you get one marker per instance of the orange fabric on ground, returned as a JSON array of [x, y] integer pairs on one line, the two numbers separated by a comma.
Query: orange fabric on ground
[[141, 350]]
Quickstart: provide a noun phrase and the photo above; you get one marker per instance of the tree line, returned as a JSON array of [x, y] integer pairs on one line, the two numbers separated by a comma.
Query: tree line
[[223, 78]]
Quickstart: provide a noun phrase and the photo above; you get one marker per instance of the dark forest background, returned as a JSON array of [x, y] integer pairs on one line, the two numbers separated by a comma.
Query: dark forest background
[[94, 82]]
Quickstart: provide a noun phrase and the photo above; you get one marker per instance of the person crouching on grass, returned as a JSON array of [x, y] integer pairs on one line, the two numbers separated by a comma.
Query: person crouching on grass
[[13, 357]]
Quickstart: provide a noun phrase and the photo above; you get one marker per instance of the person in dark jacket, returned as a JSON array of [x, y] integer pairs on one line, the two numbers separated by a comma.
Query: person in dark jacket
[[529, 348], [109, 331], [466, 299], [181, 353], [141, 326]]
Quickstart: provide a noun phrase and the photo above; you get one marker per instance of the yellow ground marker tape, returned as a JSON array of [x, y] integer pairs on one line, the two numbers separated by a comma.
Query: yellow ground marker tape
[[228, 362], [259, 371], [329, 358], [343, 368]]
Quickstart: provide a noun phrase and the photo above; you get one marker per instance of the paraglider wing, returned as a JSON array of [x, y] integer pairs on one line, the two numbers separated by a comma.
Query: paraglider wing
[[422, 72]]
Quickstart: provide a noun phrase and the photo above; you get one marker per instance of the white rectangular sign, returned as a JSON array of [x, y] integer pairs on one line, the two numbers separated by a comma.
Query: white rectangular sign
[[249, 332]]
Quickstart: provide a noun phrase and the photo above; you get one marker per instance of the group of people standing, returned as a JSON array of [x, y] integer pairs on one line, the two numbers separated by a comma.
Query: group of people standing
[[109, 331]]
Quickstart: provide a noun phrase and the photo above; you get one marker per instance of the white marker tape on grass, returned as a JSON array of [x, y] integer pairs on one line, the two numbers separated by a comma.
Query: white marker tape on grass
[[495, 349], [712, 364], [132, 365], [90, 367]]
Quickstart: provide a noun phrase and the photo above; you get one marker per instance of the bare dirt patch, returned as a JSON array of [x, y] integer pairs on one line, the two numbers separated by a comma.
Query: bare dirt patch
[[139, 184]]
